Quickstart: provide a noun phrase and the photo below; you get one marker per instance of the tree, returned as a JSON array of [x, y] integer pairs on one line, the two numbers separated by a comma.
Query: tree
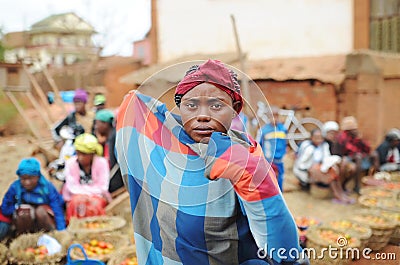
[[2, 48]]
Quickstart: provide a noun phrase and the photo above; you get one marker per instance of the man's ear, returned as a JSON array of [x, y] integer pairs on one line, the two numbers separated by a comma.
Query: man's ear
[[236, 107]]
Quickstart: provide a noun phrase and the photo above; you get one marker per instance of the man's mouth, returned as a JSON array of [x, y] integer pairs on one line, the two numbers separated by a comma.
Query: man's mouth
[[204, 130]]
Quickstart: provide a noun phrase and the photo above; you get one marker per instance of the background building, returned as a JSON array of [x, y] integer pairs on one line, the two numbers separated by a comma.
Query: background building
[[57, 40]]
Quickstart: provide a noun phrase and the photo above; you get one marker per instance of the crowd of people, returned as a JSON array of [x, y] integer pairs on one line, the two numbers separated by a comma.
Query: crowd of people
[[202, 189], [335, 156], [86, 167]]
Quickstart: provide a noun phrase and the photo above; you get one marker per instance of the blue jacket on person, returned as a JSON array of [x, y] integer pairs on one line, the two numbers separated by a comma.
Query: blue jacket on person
[[43, 193], [273, 141]]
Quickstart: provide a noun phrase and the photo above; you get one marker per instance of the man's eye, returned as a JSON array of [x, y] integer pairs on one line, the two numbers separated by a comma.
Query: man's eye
[[191, 105], [216, 106]]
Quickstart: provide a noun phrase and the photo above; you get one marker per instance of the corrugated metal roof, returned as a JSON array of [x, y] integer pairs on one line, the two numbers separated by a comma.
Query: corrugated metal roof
[[327, 69], [59, 23], [373, 62]]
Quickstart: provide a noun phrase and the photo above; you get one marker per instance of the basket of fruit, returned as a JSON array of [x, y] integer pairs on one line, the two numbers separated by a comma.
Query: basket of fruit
[[320, 238], [361, 231], [382, 228], [390, 204], [96, 224], [377, 192], [395, 238], [3, 254], [368, 201], [395, 176], [304, 222], [99, 246], [124, 256], [25, 250], [395, 186]]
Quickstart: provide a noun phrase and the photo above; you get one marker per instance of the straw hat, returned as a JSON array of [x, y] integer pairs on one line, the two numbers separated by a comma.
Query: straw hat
[[349, 123]]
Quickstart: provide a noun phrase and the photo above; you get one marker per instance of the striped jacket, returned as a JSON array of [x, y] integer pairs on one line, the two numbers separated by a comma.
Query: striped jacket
[[194, 203]]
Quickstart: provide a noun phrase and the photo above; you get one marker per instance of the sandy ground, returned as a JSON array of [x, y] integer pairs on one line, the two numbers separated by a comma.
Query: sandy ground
[[14, 148]]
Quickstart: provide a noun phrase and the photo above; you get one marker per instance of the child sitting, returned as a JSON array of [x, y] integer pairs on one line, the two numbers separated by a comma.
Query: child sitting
[[315, 164], [31, 203]]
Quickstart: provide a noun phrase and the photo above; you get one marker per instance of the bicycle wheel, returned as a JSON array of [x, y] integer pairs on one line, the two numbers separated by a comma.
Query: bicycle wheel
[[301, 132]]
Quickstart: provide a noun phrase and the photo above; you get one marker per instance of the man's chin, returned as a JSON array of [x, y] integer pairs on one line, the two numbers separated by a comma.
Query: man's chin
[[205, 140]]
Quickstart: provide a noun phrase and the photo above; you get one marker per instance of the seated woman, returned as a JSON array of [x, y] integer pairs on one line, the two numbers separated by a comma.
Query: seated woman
[[315, 164], [31, 203], [387, 156], [104, 130], [86, 179]]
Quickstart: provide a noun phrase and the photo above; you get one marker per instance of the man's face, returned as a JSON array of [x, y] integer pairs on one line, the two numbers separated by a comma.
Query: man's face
[[331, 135], [29, 182], [317, 138], [101, 126], [274, 118], [394, 143], [206, 109], [354, 132], [79, 106], [84, 159]]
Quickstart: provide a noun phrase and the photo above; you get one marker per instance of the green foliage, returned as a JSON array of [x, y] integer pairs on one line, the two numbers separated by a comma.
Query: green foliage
[[2, 48], [7, 109]]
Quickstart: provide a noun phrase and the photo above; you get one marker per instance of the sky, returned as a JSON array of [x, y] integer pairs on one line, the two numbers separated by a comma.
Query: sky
[[118, 22]]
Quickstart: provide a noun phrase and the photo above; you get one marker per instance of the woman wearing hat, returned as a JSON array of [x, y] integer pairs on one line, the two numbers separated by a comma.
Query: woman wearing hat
[[86, 179], [387, 155], [353, 150], [80, 120], [104, 130], [32, 203]]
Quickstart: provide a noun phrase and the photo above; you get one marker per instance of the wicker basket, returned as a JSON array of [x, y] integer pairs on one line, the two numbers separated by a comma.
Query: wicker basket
[[3, 254], [96, 224], [392, 204], [395, 176], [368, 201], [337, 239], [382, 228], [377, 192], [121, 254], [17, 254], [395, 238], [320, 192], [361, 231], [115, 239]]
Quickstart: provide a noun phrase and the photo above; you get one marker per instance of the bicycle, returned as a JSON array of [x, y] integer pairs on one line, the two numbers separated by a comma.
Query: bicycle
[[298, 129]]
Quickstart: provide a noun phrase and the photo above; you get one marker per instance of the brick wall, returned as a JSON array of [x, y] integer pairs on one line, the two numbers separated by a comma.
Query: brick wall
[[319, 97], [115, 90], [374, 101]]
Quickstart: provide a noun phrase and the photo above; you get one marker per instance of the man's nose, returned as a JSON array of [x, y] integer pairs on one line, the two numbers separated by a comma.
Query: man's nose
[[204, 114]]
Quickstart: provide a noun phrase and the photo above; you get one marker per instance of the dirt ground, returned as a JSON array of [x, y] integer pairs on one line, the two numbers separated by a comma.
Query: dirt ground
[[14, 148]]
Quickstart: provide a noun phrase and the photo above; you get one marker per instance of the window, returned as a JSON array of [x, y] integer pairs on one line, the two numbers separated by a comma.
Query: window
[[385, 25]]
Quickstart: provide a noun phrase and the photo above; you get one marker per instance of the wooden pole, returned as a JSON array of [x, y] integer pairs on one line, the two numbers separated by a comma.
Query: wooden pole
[[21, 111], [39, 90], [245, 82], [57, 95], [36, 105]]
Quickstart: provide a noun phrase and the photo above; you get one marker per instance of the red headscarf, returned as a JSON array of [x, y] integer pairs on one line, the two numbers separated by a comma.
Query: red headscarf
[[213, 72]]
